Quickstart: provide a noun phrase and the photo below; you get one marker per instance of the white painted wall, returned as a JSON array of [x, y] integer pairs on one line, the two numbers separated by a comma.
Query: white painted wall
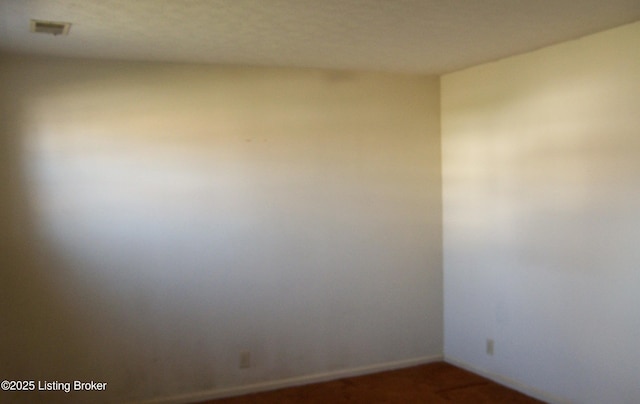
[[541, 191], [159, 219]]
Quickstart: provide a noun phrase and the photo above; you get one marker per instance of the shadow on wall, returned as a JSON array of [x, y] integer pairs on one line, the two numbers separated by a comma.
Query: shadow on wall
[[554, 187], [78, 300], [51, 329]]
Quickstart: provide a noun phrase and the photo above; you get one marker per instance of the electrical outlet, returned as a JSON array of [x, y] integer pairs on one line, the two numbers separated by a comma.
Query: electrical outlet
[[245, 359], [490, 347]]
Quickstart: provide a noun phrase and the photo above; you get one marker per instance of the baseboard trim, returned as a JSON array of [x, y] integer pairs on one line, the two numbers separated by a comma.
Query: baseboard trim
[[291, 382], [505, 381]]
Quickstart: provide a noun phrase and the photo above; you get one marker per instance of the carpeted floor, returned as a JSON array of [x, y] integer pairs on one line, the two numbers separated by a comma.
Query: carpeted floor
[[432, 383]]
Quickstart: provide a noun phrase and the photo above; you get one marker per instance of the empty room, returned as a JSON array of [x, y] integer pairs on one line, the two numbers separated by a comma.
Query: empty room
[[319, 201]]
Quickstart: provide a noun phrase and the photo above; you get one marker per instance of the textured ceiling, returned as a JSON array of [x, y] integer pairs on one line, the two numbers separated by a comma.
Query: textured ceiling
[[425, 36]]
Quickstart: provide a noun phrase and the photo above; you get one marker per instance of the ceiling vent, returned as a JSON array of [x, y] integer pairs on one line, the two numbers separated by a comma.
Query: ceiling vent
[[50, 27]]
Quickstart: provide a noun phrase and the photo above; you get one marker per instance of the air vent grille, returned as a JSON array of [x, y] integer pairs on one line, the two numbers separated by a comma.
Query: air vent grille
[[50, 27]]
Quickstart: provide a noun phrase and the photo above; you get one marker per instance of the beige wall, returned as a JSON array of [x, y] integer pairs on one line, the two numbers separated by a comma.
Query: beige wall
[[541, 191], [159, 219]]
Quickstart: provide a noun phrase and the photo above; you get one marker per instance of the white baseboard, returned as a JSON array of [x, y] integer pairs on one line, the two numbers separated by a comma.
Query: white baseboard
[[291, 382], [505, 381]]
